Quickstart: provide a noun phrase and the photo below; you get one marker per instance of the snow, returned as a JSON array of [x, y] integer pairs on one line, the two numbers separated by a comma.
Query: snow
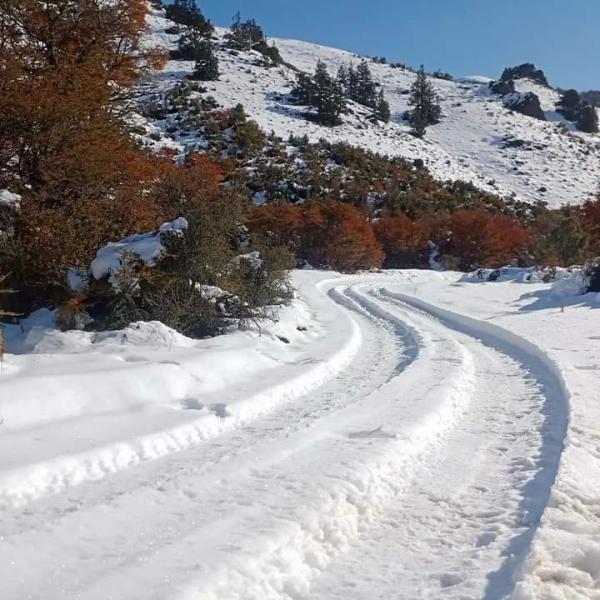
[[411, 434], [147, 246], [465, 145], [9, 198]]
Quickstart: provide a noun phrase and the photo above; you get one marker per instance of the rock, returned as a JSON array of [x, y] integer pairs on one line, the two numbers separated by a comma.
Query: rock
[[527, 104], [502, 87], [525, 71]]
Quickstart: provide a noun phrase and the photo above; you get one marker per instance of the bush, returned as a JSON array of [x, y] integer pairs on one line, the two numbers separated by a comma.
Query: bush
[[203, 284], [476, 238], [405, 242], [326, 233], [590, 218]]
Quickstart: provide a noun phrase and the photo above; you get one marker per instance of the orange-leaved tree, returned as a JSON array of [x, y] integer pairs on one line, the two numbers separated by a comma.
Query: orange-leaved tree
[[66, 70]]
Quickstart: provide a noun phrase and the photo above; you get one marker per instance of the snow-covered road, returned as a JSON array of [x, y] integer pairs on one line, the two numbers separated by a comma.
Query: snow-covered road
[[401, 451]]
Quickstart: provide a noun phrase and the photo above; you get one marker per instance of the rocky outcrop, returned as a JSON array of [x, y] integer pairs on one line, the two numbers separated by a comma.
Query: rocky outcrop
[[525, 71], [502, 87], [527, 104]]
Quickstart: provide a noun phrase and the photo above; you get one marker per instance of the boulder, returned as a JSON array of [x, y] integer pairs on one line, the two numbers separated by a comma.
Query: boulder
[[527, 104]]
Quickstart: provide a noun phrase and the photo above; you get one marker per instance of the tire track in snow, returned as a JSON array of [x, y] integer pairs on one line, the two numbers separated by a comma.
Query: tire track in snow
[[165, 512], [262, 511], [28, 483]]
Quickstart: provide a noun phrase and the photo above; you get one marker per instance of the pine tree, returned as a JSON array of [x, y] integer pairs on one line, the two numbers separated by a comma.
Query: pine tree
[[382, 108], [185, 12], [426, 109], [365, 86], [352, 83], [568, 240], [342, 78], [245, 35], [207, 63], [322, 92], [329, 96], [587, 119]]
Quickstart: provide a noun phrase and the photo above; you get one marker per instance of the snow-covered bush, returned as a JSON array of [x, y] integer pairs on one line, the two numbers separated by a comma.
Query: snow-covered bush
[[191, 275]]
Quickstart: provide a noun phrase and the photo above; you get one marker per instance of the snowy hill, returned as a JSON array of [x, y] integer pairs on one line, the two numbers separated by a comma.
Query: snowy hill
[[478, 139]]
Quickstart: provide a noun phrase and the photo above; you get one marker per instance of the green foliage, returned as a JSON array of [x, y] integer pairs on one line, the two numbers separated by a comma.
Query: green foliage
[[564, 237], [587, 119], [574, 108], [207, 63], [323, 93], [203, 284], [187, 13], [249, 35], [382, 108], [426, 109]]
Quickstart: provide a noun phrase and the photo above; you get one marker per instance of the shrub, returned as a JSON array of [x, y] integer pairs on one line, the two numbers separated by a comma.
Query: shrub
[[405, 242], [203, 283], [325, 233], [476, 238], [590, 217]]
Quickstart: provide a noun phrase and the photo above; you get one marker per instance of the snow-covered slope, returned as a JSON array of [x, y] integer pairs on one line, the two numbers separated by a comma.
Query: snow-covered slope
[[549, 161]]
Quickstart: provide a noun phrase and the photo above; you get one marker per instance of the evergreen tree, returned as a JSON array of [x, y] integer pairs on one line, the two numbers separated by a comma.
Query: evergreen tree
[[185, 12], [352, 83], [587, 119], [568, 240], [382, 108], [323, 92], [245, 35], [342, 78], [328, 96], [569, 104], [207, 63], [426, 109], [305, 89], [365, 86]]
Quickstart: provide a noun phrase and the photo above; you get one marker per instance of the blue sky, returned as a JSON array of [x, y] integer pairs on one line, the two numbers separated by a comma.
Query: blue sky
[[463, 37]]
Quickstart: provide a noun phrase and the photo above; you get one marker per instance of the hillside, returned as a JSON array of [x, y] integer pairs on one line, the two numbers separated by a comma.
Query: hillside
[[478, 139]]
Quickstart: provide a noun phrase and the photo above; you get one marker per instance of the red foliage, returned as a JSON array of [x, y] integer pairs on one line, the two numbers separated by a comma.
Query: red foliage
[[326, 233], [478, 238], [404, 241], [590, 213]]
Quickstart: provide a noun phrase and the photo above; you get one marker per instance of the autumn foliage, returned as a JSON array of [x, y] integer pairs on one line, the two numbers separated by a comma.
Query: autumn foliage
[[590, 217], [405, 242], [464, 239], [476, 238], [324, 233], [66, 69]]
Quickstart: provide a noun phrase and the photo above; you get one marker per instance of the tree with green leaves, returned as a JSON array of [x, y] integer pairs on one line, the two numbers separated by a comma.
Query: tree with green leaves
[[568, 240], [426, 109], [365, 92], [382, 108], [245, 35], [207, 63], [587, 119], [323, 92], [187, 13]]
